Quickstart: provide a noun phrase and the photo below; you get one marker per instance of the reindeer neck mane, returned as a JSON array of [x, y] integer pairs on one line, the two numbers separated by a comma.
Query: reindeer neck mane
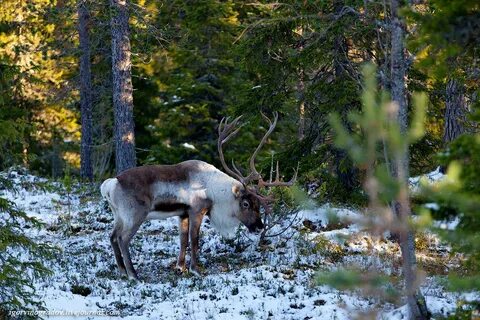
[[225, 206]]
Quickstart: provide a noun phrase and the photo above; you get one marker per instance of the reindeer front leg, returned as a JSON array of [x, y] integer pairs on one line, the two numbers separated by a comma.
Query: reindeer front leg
[[195, 223], [183, 242], [196, 212]]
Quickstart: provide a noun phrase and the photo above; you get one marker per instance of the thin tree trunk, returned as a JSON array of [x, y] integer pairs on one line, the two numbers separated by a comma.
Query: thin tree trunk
[[301, 107], [122, 88], [455, 111], [56, 155], [301, 97], [399, 169], [398, 68], [86, 168]]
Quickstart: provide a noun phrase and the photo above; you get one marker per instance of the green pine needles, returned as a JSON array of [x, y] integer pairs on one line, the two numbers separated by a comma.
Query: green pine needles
[[22, 260], [458, 197], [380, 149]]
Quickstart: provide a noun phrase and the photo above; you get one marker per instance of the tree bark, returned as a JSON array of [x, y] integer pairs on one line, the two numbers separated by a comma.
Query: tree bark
[[399, 169], [398, 68], [301, 107], [455, 111], [86, 168], [56, 154], [125, 157], [301, 93]]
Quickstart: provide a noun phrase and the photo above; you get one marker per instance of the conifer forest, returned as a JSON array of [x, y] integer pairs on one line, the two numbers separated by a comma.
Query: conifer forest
[[226, 159]]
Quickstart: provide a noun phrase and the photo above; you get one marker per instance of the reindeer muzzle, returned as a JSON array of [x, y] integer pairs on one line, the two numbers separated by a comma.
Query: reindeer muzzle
[[257, 227]]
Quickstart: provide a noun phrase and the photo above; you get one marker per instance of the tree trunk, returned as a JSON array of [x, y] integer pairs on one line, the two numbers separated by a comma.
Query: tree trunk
[[86, 168], [122, 88], [301, 96], [301, 107], [455, 111], [56, 154], [398, 69], [399, 169]]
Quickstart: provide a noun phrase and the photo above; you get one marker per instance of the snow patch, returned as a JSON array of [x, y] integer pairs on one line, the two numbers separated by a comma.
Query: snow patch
[[432, 177], [241, 279]]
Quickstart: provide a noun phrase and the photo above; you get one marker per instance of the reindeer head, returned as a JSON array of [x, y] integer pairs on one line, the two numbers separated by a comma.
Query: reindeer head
[[250, 198], [249, 208]]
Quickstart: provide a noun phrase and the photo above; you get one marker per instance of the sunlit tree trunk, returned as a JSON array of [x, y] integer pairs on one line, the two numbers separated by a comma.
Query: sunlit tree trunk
[[301, 96], [399, 169], [122, 88], [86, 168], [301, 107], [455, 111]]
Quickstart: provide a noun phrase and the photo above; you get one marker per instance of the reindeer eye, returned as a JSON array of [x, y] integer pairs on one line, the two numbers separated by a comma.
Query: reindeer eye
[[245, 204]]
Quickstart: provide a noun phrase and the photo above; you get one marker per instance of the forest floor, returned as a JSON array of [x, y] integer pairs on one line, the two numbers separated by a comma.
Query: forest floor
[[242, 280]]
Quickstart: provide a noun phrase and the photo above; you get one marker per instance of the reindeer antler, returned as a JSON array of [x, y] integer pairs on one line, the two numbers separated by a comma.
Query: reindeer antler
[[226, 131], [262, 142], [278, 182]]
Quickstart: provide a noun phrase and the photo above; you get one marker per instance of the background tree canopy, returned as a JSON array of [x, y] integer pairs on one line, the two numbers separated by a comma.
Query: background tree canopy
[[194, 64]]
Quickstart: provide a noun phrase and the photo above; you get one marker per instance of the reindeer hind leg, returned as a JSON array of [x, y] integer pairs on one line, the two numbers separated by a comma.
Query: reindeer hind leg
[[114, 241], [124, 241]]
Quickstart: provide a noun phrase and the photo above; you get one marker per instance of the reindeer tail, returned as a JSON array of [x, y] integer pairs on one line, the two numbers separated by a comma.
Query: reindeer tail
[[107, 187]]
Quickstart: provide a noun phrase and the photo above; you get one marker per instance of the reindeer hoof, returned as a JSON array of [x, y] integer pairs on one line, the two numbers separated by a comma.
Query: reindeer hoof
[[179, 268], [195, 271], [133, 277]]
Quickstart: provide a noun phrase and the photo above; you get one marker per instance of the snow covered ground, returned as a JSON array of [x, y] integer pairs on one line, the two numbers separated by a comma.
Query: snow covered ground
[[431, 177], [242, 280]]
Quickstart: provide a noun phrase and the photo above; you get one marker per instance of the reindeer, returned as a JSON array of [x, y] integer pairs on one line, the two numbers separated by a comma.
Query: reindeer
[[189, 190]]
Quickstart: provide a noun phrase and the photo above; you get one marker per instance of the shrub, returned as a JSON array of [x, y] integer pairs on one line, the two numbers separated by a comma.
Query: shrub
[[21, 259]]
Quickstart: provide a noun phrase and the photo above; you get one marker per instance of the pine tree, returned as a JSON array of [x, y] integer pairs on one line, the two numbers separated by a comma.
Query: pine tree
[[381, 130], [21, 258], [125, 157], [198, 78], [307, 56], [451, 30], [30, 41]]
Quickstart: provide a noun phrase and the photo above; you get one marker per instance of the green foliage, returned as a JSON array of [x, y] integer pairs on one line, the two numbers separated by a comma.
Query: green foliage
[[329, 249], [466, 151], [381, 138], [447, 35], [21, 260], [458, 196], [445, 44], [293, 56], [380, 143], [196, 71], [13, 126], [348, 279], [465, 311], [301, 199], [31, 76], [192, 65]]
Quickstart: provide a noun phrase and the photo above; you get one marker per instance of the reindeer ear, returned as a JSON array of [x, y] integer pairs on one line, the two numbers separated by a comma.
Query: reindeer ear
[[236, 191]]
